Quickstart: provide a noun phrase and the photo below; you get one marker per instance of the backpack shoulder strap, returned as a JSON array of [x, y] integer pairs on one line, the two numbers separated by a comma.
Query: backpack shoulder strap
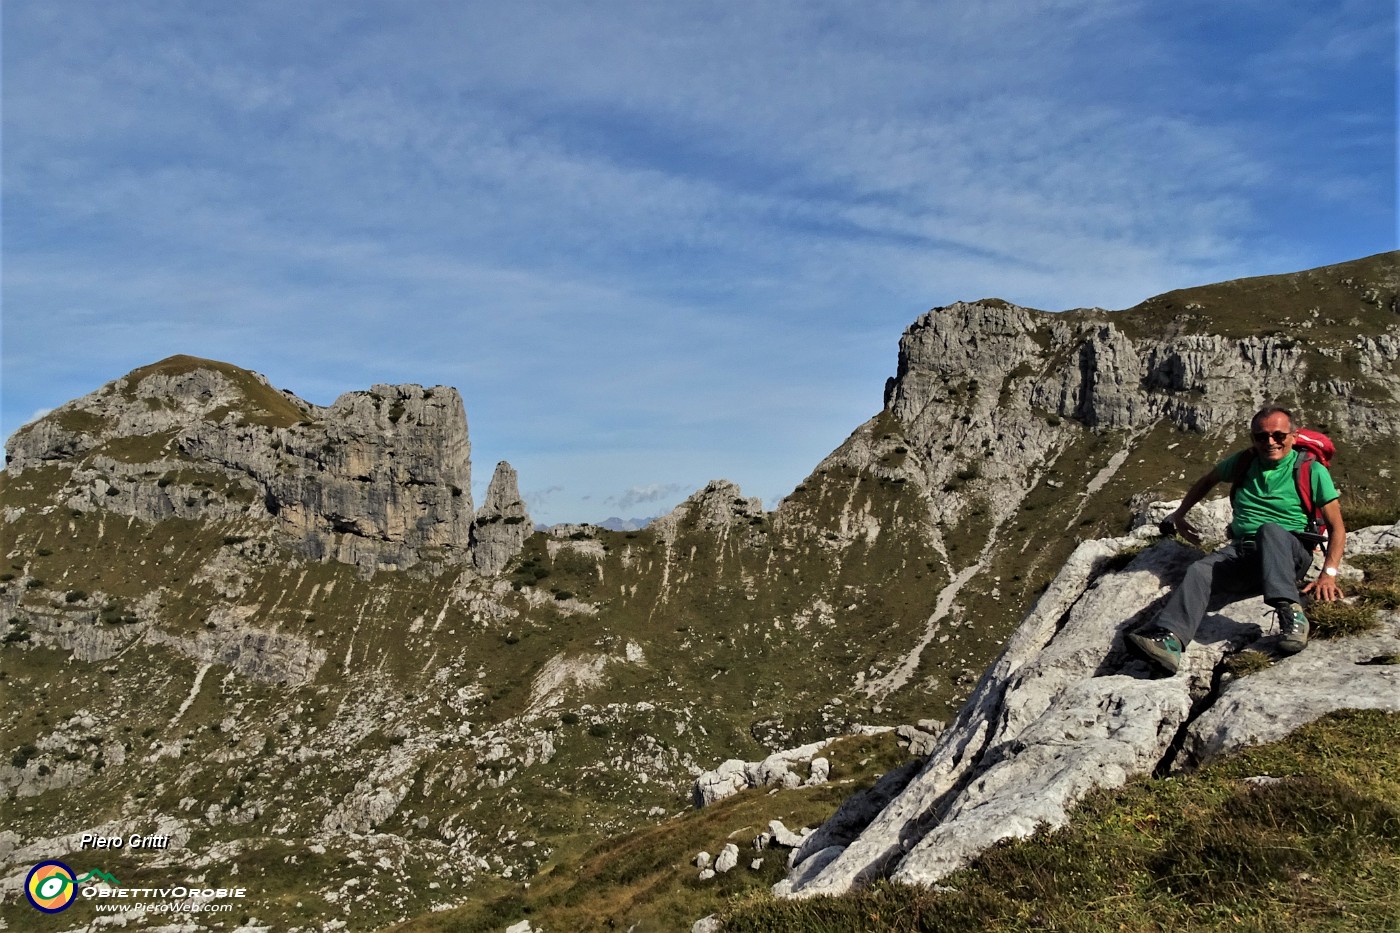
[[1243, 462], [1302, 475]]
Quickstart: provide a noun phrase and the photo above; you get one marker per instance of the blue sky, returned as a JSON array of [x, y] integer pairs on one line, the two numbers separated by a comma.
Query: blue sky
[[652, 243]]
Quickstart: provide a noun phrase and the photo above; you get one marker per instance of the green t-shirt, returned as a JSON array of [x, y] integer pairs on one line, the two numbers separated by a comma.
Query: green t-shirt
[[1269, 494]]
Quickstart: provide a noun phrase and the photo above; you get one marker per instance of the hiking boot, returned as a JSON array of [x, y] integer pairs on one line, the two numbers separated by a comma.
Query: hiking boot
[[1158, 646], [1294, 626]]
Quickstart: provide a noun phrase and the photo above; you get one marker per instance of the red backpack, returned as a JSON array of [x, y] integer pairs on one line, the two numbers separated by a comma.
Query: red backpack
[[1312, 447]]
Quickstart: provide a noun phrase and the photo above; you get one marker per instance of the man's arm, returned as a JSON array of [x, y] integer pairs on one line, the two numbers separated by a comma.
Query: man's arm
[[1195, 494], [1325, 586]]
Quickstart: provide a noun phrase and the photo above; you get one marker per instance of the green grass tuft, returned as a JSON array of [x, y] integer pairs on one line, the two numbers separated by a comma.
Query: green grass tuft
[[1342, 619], [1247, 662]]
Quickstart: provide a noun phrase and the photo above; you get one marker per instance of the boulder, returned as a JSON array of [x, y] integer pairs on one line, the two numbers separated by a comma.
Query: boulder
[[735, 775]]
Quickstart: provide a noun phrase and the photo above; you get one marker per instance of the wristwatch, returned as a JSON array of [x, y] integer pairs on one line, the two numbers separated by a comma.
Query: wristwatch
[[1330, 571]]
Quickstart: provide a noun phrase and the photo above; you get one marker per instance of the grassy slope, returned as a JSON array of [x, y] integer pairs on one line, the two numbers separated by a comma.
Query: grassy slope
[[648, 879]]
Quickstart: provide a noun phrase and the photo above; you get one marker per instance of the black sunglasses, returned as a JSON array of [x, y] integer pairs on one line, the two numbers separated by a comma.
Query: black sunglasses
[[1278, 436]]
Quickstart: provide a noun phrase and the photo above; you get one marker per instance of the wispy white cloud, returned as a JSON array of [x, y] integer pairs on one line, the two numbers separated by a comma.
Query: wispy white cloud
[[648, 494], [640, 236]]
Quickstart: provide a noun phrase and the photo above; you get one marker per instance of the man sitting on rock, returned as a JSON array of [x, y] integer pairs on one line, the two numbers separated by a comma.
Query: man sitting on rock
[[1265, 552]]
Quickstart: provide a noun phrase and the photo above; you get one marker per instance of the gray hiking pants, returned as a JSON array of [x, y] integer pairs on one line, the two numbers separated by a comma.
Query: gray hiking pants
[[1273, 562]]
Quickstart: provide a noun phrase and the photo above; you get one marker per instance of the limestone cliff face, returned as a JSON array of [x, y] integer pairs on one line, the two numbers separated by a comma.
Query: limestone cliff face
[[380, 478], [1008, 388], [1080, 365]]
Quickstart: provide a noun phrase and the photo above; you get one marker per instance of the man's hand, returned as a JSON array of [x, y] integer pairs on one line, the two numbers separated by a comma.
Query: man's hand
[[1183, 528], [1195, 494], [1324, 588]]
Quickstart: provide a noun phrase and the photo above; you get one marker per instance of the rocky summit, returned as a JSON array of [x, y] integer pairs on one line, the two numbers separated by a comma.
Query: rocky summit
[[283, 640], [380, 479]]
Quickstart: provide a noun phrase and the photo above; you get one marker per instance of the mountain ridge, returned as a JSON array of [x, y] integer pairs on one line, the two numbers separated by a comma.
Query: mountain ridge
[[339, 674]]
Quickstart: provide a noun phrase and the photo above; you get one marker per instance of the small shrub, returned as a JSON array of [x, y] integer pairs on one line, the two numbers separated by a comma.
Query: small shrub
[[599, 731], [75, 596], [1248, 662], [569, 719]]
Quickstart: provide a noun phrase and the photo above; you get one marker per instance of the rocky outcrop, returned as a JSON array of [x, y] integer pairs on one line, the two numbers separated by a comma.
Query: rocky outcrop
[[1084, 366], [227, 639], [380, 478], [1066, 710], [1003, 389], [776, 770], [719, 507], [501, 525]]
